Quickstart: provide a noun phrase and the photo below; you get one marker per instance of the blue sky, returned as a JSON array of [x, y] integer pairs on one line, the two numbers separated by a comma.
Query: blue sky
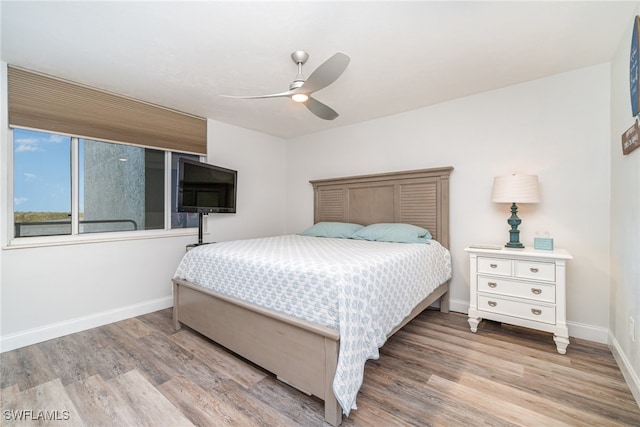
[[42, 177]]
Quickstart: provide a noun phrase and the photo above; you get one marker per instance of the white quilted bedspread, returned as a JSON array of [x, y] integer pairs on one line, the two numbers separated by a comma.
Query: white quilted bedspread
[[361, 288]]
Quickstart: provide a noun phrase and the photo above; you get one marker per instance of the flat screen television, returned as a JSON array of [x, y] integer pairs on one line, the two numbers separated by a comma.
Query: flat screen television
[[205, 188]]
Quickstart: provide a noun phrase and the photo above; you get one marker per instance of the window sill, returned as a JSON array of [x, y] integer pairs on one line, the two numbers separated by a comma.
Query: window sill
[[47, 241]]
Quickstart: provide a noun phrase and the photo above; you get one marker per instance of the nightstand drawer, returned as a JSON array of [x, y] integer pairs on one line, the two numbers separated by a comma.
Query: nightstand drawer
[[533, 291], [523, 310], [498, 266], [535, 270]]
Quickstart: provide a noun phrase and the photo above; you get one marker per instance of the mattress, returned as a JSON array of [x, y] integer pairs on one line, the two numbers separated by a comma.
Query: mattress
[[363, 289]]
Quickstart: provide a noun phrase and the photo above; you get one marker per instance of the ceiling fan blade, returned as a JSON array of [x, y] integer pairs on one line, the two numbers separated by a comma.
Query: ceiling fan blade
[[321, 110], [273, 95], [327, 73]]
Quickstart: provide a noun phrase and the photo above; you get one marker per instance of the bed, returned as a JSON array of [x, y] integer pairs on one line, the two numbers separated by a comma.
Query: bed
[[305, 353]]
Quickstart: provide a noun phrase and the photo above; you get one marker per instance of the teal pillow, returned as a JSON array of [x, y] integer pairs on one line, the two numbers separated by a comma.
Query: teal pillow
[[393, 232], [343, 230]]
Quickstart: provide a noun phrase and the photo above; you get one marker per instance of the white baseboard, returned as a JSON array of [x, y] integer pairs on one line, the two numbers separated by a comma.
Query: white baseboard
[[633, 381], [56, 330], [459, 306], [588, 332]]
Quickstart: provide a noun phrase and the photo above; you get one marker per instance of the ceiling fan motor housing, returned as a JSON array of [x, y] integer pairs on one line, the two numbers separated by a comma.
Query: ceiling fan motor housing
[[299, 56]]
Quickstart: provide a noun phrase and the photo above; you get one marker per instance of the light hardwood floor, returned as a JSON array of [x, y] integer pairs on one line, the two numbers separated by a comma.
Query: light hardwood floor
[[140, 372]]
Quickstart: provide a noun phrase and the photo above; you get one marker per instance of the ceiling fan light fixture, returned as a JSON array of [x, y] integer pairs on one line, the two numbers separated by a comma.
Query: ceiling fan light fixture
[[299, 97]]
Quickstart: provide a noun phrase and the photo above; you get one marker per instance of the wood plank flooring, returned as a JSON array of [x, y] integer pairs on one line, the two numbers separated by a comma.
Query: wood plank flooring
[[434, 372]]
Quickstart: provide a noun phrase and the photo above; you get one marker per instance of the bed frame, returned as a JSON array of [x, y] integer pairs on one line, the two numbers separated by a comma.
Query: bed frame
[[301, 353]]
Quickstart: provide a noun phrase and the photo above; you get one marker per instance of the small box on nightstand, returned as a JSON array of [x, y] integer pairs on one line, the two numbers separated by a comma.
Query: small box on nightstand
[[543, 243]]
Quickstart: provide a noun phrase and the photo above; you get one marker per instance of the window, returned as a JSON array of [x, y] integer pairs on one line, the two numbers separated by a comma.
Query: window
[[119, 187], [42, 183], [65, 185], [180, 219]]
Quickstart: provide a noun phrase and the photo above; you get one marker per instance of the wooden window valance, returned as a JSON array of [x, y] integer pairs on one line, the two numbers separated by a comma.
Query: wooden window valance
[[37, 101]]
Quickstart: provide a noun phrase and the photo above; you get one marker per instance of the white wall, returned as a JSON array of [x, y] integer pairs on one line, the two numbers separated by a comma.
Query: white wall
[[625, 222], [52, 291], [261, 164], [557, 128]]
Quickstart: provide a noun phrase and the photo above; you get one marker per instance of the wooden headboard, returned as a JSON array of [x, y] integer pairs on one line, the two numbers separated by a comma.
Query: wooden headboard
[[418, 197]]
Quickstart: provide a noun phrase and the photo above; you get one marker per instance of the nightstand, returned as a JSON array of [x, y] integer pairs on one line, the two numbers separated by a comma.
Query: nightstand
[[523, 287]]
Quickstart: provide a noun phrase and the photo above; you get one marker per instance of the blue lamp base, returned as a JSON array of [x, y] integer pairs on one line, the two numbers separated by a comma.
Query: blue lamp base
[[514, 233]]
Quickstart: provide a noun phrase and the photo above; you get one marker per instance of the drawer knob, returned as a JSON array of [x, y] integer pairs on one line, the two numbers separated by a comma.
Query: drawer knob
[[493, 265], [533, 269], [536, 311], [492, 284], [536, 291], [492, 303]]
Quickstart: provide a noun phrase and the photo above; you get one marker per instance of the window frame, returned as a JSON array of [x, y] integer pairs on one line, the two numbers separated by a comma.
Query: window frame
[[11, 242]]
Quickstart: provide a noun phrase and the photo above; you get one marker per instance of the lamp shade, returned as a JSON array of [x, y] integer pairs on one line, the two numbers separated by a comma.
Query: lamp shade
[[516, 189]]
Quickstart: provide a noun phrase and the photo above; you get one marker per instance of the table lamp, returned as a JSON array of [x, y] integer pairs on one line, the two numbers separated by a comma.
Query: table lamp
[[515, 189]]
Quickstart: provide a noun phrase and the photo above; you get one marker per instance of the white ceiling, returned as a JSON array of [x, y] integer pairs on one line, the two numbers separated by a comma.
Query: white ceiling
[[404, 55]]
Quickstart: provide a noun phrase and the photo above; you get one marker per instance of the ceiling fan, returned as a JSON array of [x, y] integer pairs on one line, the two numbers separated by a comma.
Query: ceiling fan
[[300, 89]]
